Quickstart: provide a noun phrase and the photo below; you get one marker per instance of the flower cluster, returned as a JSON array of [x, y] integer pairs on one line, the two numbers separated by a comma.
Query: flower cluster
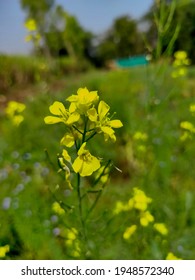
[[4, 250], [85, 117], [139, 202], [31, 25], [14, 110], [180, 62], [187, 127]]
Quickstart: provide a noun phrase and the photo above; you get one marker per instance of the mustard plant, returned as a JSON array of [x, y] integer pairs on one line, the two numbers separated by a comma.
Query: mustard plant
[[84, 118], [140, 219]]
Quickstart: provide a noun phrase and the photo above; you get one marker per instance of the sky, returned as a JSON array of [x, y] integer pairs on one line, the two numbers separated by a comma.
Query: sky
[[93, 15]]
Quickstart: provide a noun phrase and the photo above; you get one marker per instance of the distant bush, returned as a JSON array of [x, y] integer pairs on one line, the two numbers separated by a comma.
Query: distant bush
[[23, 70]]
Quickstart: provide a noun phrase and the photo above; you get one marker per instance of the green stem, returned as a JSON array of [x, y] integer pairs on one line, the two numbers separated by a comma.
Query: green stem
[[91, 136], [80, 206], [85, 130], [94, 204]]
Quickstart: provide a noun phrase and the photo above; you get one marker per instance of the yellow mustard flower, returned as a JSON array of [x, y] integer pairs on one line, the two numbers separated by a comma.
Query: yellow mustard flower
[[61, 114], [171, 256], [72, 242], [146, 218], [14, 110], [4, 250], [14, 107], [83, 100], [85, 164], [120, 207], [181, 56], [69, 138], [161, 228], [180, 63], [140, 201], [64, 167], [129, 231], [140, 136], [72, 233], [192, 108], [66, 156], [188, 126], [102, 121], [57, 208], [30, 24]]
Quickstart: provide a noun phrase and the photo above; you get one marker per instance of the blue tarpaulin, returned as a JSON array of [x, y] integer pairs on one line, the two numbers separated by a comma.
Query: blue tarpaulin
[[131, 61]]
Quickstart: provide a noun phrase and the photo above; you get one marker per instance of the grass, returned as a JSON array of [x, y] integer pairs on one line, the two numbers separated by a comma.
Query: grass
[[145, 99]]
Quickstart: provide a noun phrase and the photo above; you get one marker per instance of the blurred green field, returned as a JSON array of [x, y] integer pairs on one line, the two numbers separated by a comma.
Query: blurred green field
[[147, 100]]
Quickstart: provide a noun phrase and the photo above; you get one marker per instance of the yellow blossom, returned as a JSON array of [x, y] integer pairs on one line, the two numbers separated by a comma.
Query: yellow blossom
[[146, 218], [57, 208], [161, 228], [66, 156], [69, 139], [14, 110], [3, 250], [85, 164], [171, 256], [30, 24], [64, 167], [72, 242], [72, 234], [192, 108], [140, 200], [180, 55], [140, 136], [188, 126], [102, 121], [14, 107], [61, 114], [180, 63], [129, 231], [120, 207], [83, 100]]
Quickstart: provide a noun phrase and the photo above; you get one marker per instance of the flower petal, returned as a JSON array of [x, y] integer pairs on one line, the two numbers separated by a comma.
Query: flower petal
[[89, 167], [115, 123], [67, 140], [57, 108], [103, 109], [92, 114], [66, 156], [77, 165], [52, 120], [73, 118]]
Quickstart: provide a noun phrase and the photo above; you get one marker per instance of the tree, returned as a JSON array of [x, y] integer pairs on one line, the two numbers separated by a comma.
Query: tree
[[60, 32], [71, 35], [122, 40], [39, 11]]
